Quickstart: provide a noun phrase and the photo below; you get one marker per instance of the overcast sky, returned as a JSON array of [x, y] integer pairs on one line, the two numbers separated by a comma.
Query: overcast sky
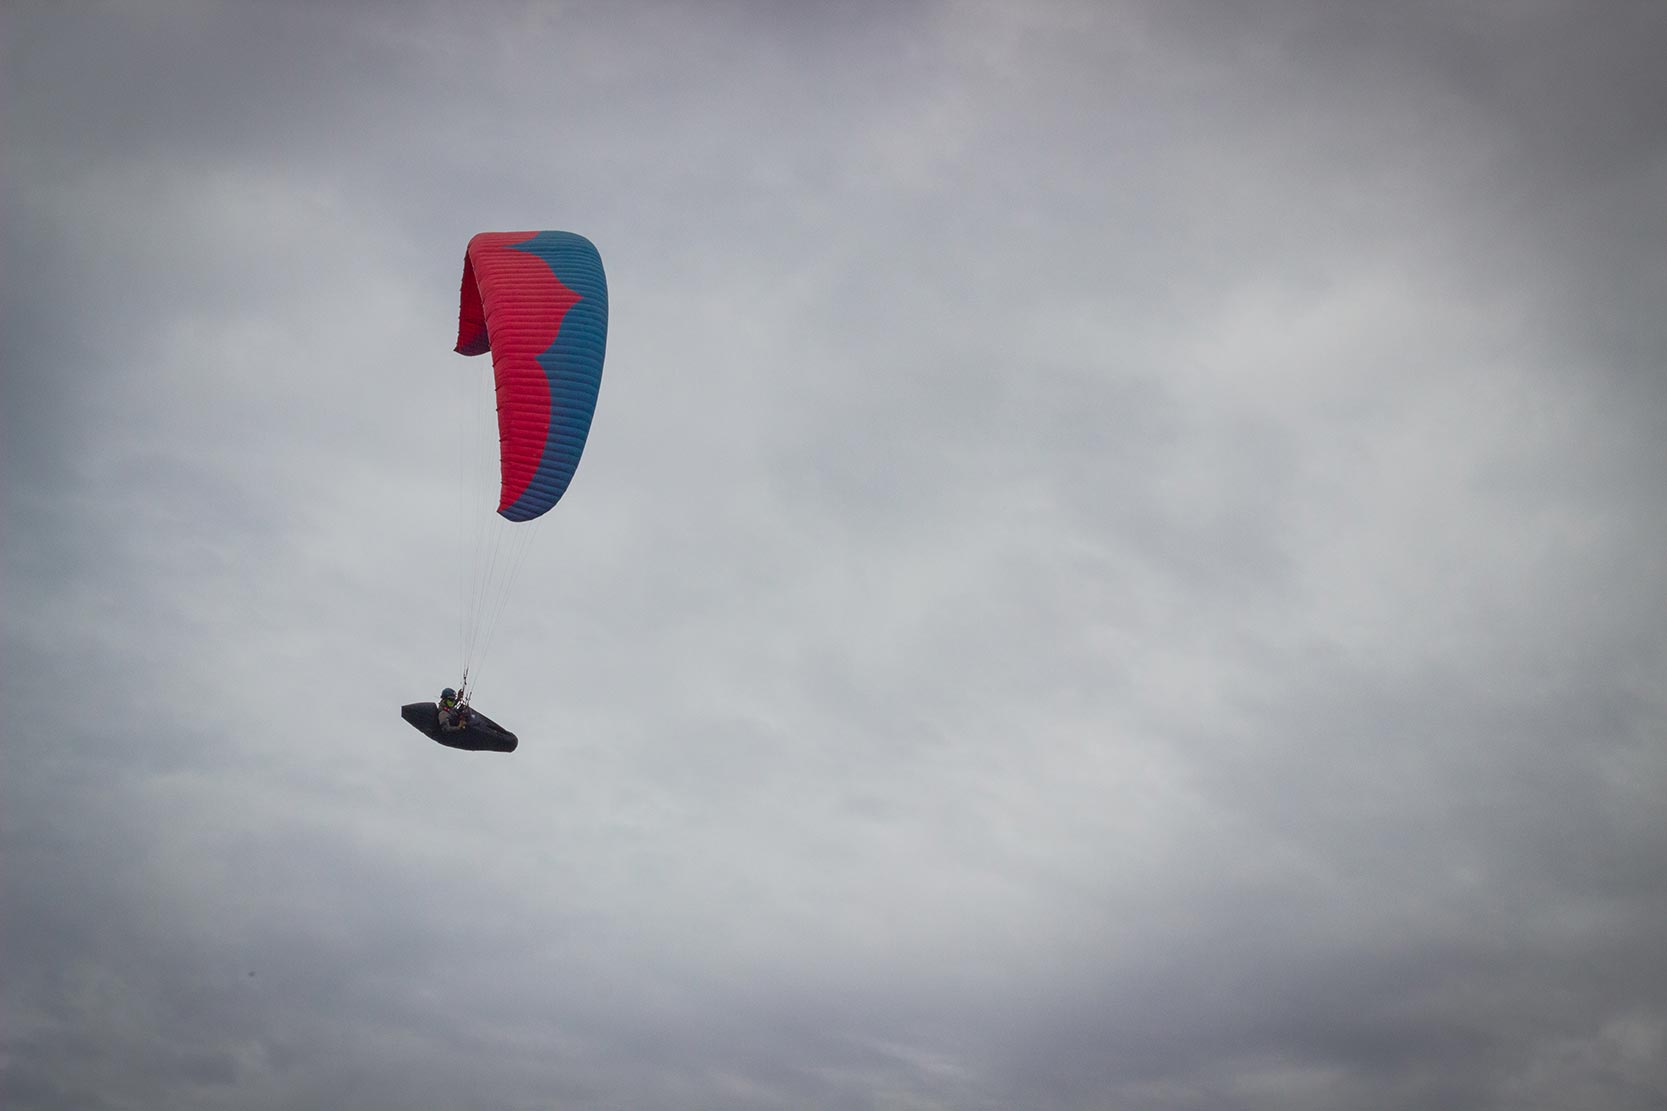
[[1120, 561]]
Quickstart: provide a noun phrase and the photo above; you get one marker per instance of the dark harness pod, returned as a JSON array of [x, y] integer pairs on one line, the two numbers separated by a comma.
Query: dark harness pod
[[482, 734]]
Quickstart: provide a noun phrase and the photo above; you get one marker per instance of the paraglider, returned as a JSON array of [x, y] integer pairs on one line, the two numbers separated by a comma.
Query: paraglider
[[538, 301], [477, 732], [453, 715]]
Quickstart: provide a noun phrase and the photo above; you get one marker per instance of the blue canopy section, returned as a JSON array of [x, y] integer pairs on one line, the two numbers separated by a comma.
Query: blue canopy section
[[572, 364]]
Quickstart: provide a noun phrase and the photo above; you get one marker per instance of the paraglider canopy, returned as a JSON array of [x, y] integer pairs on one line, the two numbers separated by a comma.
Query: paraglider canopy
[[539, 302]]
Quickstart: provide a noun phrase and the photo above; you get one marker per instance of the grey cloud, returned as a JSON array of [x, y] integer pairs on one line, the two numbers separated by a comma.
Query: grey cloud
[[1119, 561]]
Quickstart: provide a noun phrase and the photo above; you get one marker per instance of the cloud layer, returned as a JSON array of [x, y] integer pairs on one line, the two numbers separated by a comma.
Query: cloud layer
[[1120, 561]]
